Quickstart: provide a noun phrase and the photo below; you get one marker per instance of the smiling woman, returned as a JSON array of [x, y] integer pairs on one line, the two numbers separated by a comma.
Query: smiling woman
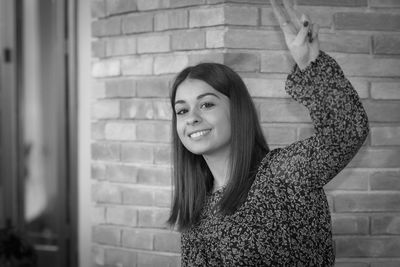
[[214, 115], [236, 202]]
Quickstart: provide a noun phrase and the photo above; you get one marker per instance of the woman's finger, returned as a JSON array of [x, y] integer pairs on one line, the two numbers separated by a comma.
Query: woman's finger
[[287, 27], [292, 13], [302, 36], [279, 14], [315, 30]]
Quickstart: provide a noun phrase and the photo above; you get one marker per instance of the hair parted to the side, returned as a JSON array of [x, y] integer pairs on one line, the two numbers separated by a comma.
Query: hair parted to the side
[[191, 175]]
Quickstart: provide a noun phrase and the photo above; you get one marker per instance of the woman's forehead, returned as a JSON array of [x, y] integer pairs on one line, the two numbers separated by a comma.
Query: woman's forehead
[[192, 88]]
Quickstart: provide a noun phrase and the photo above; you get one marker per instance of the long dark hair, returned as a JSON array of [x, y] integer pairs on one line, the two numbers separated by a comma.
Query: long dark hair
[[192, 177]]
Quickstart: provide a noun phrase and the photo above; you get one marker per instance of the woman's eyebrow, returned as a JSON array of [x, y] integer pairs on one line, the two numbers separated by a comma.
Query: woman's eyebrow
[[198, 97]]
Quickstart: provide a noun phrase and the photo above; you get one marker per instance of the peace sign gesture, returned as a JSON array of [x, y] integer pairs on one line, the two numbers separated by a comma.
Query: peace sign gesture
[[301, 35]]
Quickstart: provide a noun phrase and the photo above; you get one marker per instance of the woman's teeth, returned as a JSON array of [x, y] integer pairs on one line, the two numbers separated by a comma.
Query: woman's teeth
[[198, 134]]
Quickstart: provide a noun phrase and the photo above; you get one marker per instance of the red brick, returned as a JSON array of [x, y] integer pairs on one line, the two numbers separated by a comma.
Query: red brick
[[154, 218], [97, 89], [361, 86], [365, 202], [152, 4], [385, 136], [155, 176], [182, 3], [170, 64], [188, 40], [349, 179], [279, 135], [367, 21], [171, 19], [117, 257], [242, 62], [121, 131], [120, 215], [268, 17], [153, 44], [305, 132], [332, 3], [105, 109], [168, 242], [98, 171], [350, 225], [385, 225], [386, 44], [139, 65], [153, 87], [262, 87], [351, 264], [120, 6], [385, 180], [283, 110], [97, 8], [106, 68], [386, 263], [97, 130], [350, 43], [384, 3], [376, 158], [98, 48], [137, 109], [98, 215], [137, 153], [106, 27], [120, 88], [162, 110], [98, 255], [383, 111], [241, 15], [162, 154], [105, 151], [154, 132], [206, 17], [162, 198], [121, 173], [138, 239], [106, 193], [138, 196], [367, 247], [106, 235], [137, 23], [385, 90], [215, 38], [366, 65], [254, 39], [274, 62], [195, 59], [121, 46], [157, 260]]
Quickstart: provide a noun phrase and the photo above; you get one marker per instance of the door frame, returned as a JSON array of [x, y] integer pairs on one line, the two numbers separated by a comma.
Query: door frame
[[11, 146]]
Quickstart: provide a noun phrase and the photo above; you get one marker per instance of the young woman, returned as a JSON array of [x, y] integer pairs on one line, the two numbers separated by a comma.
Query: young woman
[[236, 202]]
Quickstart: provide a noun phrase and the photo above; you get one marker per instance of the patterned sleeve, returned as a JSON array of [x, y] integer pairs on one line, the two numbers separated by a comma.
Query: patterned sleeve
[[339, 119]]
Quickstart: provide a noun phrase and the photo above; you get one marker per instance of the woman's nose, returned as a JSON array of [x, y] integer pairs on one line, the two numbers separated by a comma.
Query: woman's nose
[[193, 119]]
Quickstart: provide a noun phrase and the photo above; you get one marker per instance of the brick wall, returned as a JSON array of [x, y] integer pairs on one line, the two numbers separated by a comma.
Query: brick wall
[[138, 47]]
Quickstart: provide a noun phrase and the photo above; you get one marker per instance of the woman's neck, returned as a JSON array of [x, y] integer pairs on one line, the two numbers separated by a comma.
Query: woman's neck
[[219, 167]]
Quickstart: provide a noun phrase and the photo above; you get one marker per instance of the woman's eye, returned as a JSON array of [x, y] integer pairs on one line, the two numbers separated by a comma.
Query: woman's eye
[[180, 111], [207, 105]]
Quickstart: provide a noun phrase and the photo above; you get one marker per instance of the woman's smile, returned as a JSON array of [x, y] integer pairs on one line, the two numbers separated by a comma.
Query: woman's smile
[[196, 135]]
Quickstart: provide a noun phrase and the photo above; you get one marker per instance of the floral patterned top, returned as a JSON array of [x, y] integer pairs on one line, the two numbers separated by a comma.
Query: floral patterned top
[[285, 220]]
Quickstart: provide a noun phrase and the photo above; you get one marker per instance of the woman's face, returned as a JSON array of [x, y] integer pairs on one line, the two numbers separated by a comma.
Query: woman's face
[[202, 118]]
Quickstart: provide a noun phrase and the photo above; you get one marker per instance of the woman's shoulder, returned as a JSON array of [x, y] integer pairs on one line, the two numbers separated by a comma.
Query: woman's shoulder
[[268, 159]]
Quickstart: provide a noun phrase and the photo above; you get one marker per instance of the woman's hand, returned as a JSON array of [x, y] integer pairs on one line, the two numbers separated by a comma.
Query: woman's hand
[[301, 35]]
